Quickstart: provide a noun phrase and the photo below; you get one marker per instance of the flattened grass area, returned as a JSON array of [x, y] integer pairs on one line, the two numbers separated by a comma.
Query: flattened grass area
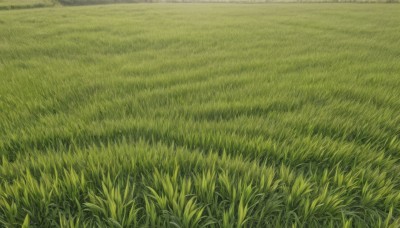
[[190, 115]]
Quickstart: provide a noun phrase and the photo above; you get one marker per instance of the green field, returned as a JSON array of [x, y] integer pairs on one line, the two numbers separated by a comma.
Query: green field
[[193, 115], [23, 4]]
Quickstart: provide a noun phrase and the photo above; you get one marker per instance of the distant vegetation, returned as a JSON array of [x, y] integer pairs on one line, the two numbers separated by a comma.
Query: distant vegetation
[[87, 2], [200, 115], [91, 2], [23, 4]]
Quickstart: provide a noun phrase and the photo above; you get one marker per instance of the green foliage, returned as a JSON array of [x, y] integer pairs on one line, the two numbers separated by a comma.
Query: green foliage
[[26, 4], [200, 116], [90, 2]]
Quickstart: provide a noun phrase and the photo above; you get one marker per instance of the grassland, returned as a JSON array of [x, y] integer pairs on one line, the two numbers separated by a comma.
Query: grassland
[[24, 4], [200, 115]]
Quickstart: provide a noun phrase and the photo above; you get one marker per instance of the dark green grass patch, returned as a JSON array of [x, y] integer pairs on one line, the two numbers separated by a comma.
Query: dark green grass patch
[[25, 4]]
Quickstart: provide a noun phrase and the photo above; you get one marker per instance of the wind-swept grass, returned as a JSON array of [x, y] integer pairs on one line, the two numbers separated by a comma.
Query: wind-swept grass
[[200, 116]]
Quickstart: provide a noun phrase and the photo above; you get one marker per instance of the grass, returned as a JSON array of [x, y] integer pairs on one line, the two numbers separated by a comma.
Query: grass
[[24, 4], [90, 2], [194, 115]]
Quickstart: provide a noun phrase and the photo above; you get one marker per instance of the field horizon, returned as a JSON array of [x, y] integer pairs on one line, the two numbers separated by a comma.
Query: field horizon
[[200, 115], [30, 4]]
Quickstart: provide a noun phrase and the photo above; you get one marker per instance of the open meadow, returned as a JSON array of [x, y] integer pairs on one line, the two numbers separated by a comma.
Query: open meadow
[[200, 115]]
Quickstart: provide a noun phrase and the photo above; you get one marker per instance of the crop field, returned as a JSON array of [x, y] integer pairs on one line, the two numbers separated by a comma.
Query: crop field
[[200, 115]]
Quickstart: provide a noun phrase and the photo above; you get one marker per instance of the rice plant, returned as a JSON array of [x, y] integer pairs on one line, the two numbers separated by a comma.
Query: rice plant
[[200, 115]]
